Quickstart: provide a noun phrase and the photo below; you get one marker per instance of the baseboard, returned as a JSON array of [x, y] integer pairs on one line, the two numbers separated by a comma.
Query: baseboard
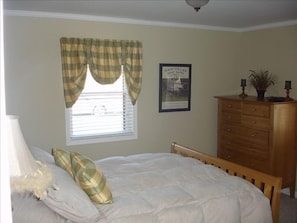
[[287, 192]]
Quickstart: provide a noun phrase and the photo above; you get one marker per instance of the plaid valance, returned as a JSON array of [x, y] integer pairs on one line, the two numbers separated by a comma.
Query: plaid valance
[[104, 58]]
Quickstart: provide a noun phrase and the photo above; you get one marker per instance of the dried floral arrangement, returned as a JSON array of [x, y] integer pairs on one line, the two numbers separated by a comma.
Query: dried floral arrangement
[[261, 80]]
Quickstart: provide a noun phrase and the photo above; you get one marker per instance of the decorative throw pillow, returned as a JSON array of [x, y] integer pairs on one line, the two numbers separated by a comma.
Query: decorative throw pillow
[[62, 159], [90, 178]]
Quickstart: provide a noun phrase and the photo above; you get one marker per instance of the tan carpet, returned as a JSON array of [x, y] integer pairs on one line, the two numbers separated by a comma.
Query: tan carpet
[[288, 209]]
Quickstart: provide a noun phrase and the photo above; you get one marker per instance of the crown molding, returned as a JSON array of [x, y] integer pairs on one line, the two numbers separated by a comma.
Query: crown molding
[[269, 26], [80, 17]]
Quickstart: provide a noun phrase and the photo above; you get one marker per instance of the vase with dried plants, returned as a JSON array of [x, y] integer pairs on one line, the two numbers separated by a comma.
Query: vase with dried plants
[[261, 80]]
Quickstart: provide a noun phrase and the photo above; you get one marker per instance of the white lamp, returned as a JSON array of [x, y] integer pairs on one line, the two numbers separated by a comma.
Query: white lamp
[[26, 174], [197, 4]]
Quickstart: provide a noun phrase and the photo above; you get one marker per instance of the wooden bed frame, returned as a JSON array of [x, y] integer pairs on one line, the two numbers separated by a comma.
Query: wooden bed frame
[[269, 185]]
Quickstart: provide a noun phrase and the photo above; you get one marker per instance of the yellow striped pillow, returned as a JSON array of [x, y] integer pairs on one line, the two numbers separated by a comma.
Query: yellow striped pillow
[[62, 159], [90, 179]]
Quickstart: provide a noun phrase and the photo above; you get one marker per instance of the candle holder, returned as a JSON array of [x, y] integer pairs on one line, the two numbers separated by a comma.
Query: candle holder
[[243, 94], [288, 88], [288, 98], [243, 84]]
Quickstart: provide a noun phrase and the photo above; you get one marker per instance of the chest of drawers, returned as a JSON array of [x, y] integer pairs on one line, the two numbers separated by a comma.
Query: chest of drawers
[[259, 134]]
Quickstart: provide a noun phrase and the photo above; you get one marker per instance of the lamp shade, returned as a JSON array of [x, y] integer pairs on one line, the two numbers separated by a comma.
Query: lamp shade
[[26, 173], [197, 4]]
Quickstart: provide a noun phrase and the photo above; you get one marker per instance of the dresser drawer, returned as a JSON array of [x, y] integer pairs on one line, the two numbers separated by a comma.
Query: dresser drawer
[[256, 110], [231, 106], [255, 122], [261, 165], [255, 137], [244, 135], [245, 160], [230, 118], [230, 130], [235, 155], [247, 148], [227, 154]]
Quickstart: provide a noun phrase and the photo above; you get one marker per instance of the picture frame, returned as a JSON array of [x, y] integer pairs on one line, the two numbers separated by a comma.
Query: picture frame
[[174, 87]]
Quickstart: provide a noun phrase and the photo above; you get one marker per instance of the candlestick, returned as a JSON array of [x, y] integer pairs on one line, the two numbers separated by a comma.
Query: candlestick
[[243, 83], [288, 85]]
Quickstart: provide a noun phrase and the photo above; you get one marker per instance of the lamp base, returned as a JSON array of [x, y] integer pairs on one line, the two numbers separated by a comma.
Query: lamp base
[[37, 182]]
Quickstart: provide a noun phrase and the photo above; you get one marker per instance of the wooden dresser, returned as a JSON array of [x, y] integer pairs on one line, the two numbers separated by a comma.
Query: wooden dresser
[[259, 134]]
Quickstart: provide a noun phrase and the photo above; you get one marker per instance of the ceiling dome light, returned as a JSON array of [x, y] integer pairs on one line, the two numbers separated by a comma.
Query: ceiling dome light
[[197, 4]]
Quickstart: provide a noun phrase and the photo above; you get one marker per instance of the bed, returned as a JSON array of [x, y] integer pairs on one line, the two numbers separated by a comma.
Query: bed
[[181, 186]]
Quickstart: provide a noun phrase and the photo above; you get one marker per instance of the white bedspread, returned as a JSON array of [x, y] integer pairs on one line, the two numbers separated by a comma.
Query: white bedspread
[[168, 188]]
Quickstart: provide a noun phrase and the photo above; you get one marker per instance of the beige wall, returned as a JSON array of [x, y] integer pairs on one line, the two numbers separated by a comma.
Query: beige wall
[[274, 50], [219, 60]]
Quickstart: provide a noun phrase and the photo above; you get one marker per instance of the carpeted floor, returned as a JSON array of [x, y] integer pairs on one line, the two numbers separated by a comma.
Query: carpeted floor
[[288, 209]]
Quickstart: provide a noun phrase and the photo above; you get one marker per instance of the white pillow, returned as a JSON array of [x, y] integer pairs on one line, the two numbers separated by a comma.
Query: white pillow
[[26, 208], [42, 155], [69, 200]]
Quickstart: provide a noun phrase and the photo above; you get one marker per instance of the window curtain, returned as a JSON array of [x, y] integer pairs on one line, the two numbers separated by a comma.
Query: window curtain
[[74, 68], [133, 68], [105, 58]]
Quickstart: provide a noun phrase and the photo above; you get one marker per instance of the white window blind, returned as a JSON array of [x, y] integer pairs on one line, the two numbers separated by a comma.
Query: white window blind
[[102, 113]]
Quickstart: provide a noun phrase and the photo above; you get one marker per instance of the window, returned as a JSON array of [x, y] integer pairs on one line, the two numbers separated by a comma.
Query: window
[[102, 113]]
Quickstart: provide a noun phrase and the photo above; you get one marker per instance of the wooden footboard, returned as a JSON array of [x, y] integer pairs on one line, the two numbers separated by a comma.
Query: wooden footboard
[[269, 185]]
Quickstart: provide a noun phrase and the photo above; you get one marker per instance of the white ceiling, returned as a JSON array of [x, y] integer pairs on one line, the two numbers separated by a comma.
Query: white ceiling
[[217, 14]]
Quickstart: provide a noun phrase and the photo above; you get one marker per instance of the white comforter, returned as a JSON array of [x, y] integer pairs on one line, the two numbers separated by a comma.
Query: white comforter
[[169, 188]]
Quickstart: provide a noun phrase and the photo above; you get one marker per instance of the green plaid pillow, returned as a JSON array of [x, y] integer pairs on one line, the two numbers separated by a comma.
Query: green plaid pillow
[[62, 159], [90, 179]]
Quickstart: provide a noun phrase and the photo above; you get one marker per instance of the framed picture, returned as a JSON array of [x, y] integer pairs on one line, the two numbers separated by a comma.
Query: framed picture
[[174, 87]]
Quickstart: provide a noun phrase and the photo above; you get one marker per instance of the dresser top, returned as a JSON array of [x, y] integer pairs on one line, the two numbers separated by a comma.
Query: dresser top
[[273, 100]]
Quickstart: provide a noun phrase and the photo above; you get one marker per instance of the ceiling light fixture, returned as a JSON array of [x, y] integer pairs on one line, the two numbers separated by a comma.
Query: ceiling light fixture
[[197, 4]]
